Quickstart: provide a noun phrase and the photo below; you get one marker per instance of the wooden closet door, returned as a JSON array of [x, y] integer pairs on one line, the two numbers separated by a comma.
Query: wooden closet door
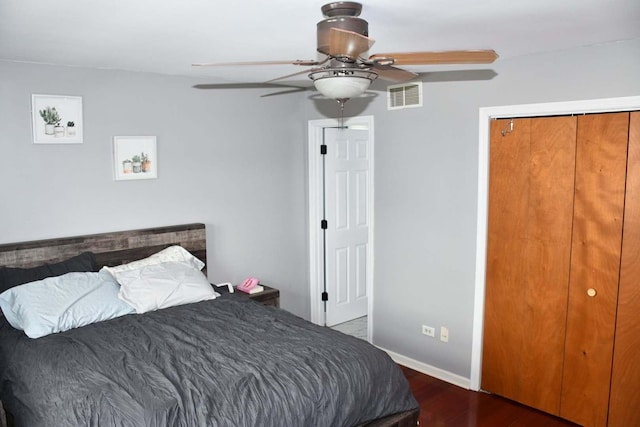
[[531, 188], [601, 160], [624, 400]]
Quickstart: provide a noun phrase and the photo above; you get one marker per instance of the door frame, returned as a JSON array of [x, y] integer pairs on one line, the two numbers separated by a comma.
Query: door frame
[[486, 114], [316, 252]]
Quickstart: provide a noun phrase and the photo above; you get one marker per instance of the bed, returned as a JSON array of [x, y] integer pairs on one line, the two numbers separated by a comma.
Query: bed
[[227, 361]]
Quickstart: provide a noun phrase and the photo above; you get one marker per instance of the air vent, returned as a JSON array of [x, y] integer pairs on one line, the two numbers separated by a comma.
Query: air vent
[[406, 95]]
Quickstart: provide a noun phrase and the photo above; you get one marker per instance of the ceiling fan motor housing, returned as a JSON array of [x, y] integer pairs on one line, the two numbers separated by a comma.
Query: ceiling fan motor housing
[[344, 16]]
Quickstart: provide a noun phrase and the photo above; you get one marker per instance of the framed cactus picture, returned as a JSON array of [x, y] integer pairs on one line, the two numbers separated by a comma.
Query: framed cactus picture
[[135, 157], [56, 119]]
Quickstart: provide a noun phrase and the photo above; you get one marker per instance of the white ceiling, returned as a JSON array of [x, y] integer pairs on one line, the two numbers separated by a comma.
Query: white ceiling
[[167, 36]]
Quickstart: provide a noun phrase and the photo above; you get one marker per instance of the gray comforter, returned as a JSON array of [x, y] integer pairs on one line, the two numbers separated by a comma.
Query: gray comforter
[[226, 362]]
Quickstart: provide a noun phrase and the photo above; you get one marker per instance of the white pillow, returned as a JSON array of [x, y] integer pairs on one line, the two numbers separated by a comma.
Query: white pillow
[[57, 304], [172, 253], [163, 285]]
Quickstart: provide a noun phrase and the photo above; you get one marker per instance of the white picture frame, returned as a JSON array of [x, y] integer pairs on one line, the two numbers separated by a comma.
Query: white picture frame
[[56, 119], [135, 157]]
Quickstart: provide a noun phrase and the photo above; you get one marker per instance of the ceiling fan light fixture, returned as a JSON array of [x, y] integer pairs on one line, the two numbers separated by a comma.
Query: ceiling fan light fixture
[[342, 83]]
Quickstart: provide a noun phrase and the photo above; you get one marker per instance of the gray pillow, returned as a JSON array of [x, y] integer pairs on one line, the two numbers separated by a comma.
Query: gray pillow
[[10, 276]]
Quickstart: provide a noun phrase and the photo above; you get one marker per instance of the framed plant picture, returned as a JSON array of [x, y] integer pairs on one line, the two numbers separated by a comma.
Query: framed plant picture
[[56, 119], [135, 157]]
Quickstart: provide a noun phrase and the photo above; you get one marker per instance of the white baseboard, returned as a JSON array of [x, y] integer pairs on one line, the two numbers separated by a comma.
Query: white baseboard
[[432, 371]]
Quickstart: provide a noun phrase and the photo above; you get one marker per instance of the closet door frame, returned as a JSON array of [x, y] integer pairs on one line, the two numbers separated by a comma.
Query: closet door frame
[[487, 114]]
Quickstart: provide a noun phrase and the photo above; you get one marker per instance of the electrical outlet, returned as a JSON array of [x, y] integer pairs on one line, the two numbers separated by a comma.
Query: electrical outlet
[[429, 331], [444, 334]]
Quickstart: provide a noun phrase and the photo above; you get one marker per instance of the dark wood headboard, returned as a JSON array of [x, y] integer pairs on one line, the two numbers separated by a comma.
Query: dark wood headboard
[[110, 248]]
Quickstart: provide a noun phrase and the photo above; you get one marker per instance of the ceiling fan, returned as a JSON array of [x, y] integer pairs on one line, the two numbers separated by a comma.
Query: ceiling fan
[[343, 73]]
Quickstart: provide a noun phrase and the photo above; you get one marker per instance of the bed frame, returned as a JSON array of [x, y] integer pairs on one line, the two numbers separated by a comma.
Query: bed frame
[[113, 248], [125, 246]]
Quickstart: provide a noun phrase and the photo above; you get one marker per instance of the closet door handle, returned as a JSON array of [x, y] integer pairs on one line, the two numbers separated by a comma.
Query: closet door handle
[[591, 292]]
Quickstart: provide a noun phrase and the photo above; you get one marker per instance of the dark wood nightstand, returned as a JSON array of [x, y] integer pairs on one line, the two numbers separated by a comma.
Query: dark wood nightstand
[[270, 296]]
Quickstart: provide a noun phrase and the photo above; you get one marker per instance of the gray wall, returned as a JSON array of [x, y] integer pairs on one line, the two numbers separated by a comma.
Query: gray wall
[[237, 163], [426, 188], [227, 158]]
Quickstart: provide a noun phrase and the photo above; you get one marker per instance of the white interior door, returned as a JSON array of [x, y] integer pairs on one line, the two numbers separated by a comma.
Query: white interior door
[[347, 193]]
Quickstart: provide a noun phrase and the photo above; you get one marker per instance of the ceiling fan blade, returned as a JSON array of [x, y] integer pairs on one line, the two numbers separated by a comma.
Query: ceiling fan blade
[[434, 58], [250, 85], [300, 72], [347, 44], [309, 70], [307, 63], [284, 92], [282, 89], [393, 74]]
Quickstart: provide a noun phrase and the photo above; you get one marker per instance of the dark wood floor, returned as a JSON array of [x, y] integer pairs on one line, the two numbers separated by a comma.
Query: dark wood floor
[[446, 405]]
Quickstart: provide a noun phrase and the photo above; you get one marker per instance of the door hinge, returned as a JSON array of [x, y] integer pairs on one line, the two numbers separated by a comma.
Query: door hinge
[[323, 149], [324, 224], [325, 296]]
